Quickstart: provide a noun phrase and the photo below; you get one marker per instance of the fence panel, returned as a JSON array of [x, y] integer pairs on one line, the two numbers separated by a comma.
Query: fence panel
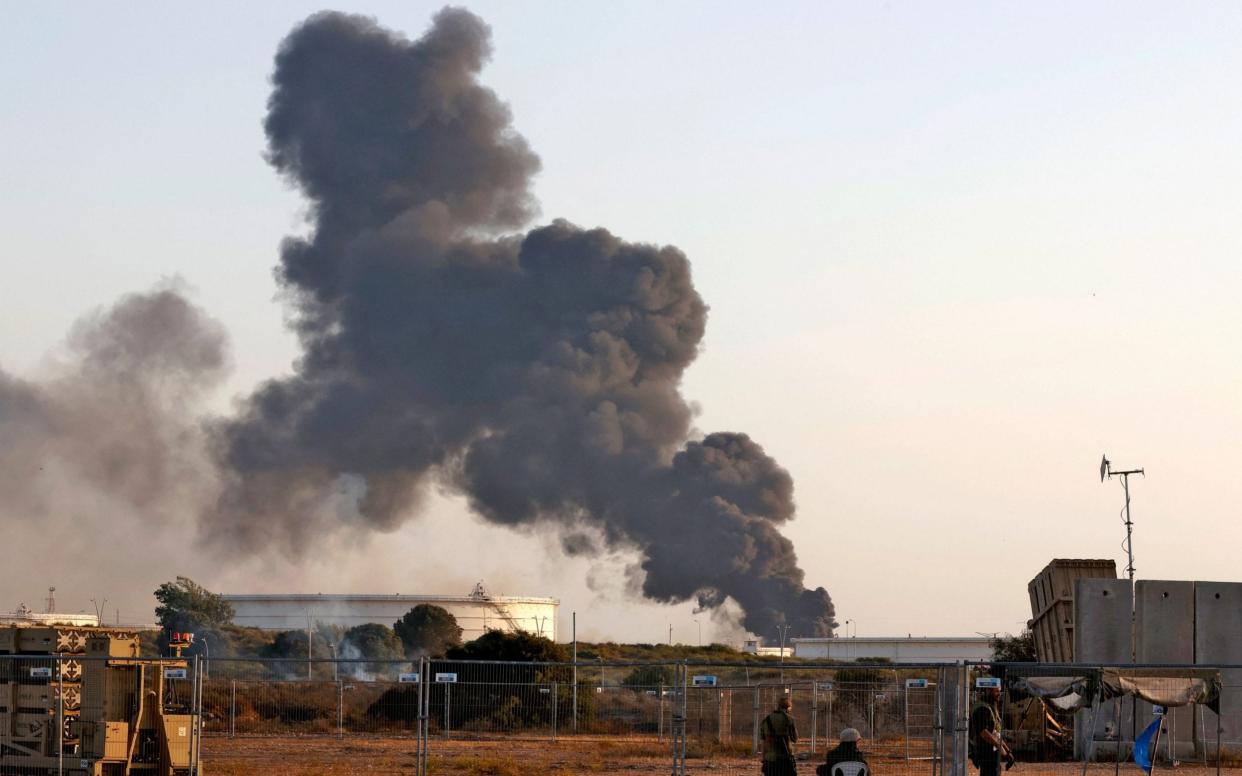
[[1094, 726], [897, 720], [480, 716]]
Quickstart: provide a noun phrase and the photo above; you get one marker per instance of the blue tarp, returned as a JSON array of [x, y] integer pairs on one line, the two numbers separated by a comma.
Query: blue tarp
[[1144, 745]]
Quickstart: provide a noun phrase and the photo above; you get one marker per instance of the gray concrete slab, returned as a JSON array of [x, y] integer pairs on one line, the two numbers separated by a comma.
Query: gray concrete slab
[[1102, 621], [1218, 641], [1102, 635], [1165, 621], [1165, 629]]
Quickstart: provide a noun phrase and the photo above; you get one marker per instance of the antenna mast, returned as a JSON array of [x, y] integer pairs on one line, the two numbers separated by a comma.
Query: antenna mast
[[1106, 472]]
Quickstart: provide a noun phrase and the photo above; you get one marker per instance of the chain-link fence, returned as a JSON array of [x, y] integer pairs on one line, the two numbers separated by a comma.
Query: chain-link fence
[[545, 717], [1100, 719], [450, 717]]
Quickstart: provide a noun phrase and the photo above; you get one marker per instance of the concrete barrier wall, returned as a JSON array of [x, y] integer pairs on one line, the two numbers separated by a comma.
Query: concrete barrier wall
[[1102, 621], [1175, 622], [1218, 641], [1102, 635], [1165, 621], [1165, 626]]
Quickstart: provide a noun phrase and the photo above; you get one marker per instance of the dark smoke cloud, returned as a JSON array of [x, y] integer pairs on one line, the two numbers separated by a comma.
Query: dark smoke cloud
[[538, 374], [117, 422]]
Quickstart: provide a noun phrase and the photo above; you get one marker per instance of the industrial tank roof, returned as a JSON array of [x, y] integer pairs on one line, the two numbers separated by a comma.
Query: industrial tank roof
[[464, 599]]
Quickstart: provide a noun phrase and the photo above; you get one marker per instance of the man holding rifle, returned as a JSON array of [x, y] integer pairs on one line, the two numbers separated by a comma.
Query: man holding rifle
[[987, 746]]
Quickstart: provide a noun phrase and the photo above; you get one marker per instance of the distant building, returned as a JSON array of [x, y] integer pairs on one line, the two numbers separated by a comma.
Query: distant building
[[476, 613], [753, 647], [898, 649], [25, 616]]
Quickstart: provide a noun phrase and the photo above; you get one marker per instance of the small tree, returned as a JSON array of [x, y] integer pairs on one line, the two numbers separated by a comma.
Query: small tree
[[372, 641], [187, 606], [1014, 649], [646, 677], [427, 629], [518, 647]]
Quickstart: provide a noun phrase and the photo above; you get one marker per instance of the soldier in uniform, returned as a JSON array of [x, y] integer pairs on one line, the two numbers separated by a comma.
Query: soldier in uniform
[[987, 745], [779, 731]]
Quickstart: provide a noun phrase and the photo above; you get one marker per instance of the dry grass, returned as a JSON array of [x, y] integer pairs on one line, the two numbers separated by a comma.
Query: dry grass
[[565, 757]]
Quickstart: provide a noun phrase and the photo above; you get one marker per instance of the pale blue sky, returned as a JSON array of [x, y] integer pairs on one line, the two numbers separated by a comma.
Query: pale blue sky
[[953, 253]]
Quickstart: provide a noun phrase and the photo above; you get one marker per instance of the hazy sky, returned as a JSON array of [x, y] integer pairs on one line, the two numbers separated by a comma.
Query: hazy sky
[[953, 254]]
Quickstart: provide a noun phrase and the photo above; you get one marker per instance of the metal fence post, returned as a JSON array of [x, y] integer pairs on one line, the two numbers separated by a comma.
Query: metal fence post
[[754, 718], [340, 709], [423, 695], [905, 714], [685, 700], [938, 725], [554, 691], [832, 694], [60, 718], [574, 711], [448, 709], [814, 711], [1219, 725], [660, 718], [233, 708], [194, 691], [871, 717]]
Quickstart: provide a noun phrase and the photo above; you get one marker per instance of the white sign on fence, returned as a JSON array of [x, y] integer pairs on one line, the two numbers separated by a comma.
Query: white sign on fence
[[545, 690], [916, 684], [703, 680], [826, 686], [446, 678], [408, 678], [40, 673], [174, 673], [988, 683]]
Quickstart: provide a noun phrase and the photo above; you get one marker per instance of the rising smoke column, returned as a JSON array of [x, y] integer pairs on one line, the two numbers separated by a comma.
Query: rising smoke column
[[537, 374]]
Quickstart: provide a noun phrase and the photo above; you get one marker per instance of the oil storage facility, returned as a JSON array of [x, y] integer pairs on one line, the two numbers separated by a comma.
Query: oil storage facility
[[476, 613]]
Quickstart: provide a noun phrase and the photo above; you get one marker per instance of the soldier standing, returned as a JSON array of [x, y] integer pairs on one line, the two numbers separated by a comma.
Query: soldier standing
[[779, 732]]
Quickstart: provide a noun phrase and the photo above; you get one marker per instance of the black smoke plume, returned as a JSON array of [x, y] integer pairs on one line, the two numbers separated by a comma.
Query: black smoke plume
[[536, 373]]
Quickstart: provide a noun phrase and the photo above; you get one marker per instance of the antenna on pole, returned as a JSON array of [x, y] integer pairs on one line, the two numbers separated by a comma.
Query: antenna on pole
[[1107, 473], [51, 600]]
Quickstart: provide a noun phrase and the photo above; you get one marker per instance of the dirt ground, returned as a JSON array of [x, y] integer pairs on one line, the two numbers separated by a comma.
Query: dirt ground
[[612, 757], [316, 756]]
